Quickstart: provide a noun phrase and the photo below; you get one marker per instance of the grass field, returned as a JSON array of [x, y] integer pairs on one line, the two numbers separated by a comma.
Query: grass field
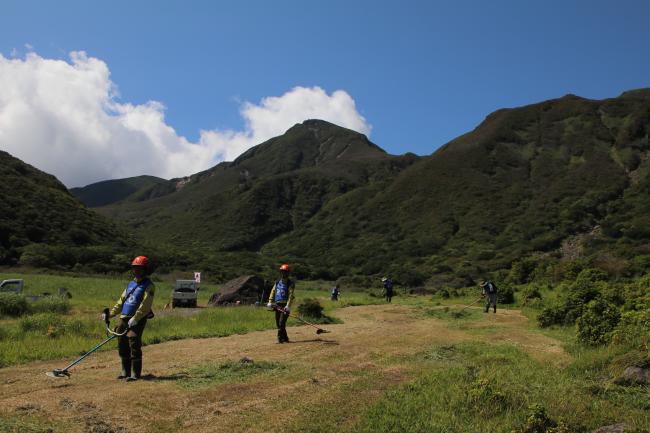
[[422, 364], [51, 335]]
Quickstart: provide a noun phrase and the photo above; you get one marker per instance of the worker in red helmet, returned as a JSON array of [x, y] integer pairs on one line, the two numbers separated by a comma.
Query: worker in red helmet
[[280, 301], [133, 309]]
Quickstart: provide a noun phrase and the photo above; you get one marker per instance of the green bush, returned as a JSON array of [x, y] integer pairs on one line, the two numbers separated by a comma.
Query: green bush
[[588, 285], [539, 422], [505, 296], [549, 316], [311, 308], [599, 319], [483, 395], [633, 328], [531, 295], [12, 304]]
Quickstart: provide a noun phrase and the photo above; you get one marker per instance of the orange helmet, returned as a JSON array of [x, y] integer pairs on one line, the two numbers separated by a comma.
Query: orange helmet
[[140, 261], [284, 267]]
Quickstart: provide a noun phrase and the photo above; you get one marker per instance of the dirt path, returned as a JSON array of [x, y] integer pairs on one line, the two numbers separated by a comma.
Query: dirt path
[[319, 368]]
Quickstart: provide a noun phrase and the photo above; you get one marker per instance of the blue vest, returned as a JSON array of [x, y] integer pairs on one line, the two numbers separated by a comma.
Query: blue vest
[[135, 292], [282, 291]]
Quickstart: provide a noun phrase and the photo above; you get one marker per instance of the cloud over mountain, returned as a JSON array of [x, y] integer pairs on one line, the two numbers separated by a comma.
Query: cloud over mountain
[[66, 118]]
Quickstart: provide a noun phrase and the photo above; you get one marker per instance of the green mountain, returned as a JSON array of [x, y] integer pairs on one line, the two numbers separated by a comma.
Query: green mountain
[[523, 182], [270, 190], [528, 181], [529, 191], [111, 191], [42, 224]]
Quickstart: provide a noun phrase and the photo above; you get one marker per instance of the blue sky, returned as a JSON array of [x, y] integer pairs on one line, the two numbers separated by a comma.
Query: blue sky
[[421, 73]]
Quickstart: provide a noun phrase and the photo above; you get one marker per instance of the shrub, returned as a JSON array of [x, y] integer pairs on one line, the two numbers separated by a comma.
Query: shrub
[[311, 308], [482, 394], [505, 296], [539, 422], [633, 328], [551, 316], [12, 304], [597, 322], [531, 295], [521, 271]]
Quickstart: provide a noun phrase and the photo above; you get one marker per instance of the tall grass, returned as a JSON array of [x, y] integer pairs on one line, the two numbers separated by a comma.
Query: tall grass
[[495, 388]]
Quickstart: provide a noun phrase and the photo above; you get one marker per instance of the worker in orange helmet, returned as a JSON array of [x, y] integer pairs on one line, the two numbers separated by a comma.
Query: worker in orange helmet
[[133, 309], [280, 300]]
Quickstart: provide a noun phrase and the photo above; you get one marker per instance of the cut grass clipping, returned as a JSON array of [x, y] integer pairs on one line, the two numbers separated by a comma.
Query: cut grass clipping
[[230, 371]]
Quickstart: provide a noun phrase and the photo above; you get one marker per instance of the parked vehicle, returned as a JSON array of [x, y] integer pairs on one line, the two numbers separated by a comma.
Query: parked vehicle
[[185, 293], [12, 286]]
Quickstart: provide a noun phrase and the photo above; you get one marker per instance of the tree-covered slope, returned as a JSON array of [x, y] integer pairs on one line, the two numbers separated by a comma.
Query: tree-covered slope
[[37, 212], [111, 191]]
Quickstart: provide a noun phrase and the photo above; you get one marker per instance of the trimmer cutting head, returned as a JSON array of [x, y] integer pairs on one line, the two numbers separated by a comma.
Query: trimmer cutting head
[[57, 373], [321, 331]]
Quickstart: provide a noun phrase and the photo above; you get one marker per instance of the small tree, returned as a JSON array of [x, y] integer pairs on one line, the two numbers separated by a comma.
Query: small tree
[[599, 319]]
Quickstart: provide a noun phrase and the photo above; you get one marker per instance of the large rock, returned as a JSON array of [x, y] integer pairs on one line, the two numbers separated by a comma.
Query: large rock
[[247, 289], [636, 375]]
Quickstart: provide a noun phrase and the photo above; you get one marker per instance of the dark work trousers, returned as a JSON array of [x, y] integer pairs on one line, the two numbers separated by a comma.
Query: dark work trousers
[[130, 345], [281, 323], [389, 296], [491, 300]]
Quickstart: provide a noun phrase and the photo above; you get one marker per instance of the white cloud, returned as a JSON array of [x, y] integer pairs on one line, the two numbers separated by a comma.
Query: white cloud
[[65, 118]]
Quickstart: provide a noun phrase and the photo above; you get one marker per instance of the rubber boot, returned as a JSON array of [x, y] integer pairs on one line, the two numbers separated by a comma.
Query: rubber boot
[[126, 368], [495, 309], [285, 336], [280, 336], [136, 370]]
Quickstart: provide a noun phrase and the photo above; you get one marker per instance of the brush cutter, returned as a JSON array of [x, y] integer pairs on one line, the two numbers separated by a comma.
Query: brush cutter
[[318, 330], [469, 305], [64, 372]]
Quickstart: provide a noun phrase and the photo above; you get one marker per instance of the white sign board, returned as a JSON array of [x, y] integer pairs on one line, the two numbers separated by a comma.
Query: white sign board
[[197, 277]]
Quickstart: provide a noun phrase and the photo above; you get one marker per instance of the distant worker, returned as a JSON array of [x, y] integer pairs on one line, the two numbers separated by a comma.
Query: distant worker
[[280, 300], [388, 289], [336, 292], [490, 293], [133, 308]]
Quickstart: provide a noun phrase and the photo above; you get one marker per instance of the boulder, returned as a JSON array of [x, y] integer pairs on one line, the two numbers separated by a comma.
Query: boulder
[[636, 375], [247, 289]]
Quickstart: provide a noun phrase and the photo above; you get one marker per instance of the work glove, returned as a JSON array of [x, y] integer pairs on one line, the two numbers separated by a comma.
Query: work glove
[[102, 317], [269, 306], [132, 322], [287, 309]]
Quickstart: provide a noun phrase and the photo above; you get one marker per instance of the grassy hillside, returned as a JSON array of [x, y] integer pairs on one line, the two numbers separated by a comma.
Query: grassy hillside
[[531, 192], [42, 224], [269, 190], [111, 191], [523, 182]]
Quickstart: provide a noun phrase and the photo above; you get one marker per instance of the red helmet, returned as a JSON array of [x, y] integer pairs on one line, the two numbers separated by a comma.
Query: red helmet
[[284, 267], [140, 261]]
